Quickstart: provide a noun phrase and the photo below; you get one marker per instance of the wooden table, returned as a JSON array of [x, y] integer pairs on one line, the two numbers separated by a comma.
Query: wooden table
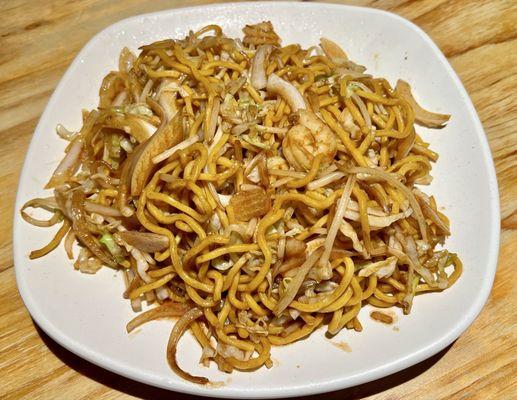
[[38, 40]]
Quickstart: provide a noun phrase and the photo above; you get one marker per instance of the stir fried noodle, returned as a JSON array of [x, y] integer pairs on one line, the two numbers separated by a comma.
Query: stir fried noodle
[[255, 191]]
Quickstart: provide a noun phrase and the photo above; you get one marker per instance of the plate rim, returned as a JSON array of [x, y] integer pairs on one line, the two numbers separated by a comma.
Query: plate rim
[[307, 389]]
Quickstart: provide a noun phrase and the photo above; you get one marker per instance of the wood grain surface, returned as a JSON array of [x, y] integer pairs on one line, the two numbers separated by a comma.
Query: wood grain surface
[[39, 39]]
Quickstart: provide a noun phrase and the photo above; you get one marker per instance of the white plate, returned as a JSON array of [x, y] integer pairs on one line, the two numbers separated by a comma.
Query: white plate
[[87, 315]]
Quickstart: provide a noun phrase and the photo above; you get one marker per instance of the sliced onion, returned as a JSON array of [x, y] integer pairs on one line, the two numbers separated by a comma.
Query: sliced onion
[[325, 287], [238, 228], [86, 263], [348, 230], [48, 204], [325, 180], [376, 221], [168, 134], [80, 227], [134, 125], [288, 92], [65, 133], [145, 92], [119, 100], [241, 128], [141, 265], [179, 329], [258, 70], [207, 354], [126, 60], [422, 116], [409, 195], [101, 209], [288, 265], [122, 201], [296, 283], [68, 165], [227, 350], [69, 242], [53, 243], [236, 85], [217, 138], [146, 128], [381, 269], [336, 221], [333, 51], [224, 199], [180, 146], [166, 310], [430, 212]]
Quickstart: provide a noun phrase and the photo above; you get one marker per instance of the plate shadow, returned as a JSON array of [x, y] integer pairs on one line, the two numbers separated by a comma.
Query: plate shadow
[[148, 392]]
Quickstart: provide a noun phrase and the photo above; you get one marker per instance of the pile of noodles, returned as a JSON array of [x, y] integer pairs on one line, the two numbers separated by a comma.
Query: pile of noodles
[[255, 191]]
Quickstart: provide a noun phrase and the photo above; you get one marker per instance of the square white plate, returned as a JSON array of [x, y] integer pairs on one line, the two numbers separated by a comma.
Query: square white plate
[[87, 314]]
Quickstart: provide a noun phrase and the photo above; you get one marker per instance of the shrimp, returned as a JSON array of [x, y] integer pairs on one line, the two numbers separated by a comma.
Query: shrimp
[[306, 140]]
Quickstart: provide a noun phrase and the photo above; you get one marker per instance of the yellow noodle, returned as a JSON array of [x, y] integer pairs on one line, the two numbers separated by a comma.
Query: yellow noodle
[[233, 272]]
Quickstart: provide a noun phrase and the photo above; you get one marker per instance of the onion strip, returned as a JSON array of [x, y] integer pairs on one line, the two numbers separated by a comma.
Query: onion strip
[[409, 195], [179, 329], [82, 233], [258, 69], [422, 116], [288, 91], [53, 243], [296, 282], [336, 221], [166, 310], [48, 204], [68, 164]]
